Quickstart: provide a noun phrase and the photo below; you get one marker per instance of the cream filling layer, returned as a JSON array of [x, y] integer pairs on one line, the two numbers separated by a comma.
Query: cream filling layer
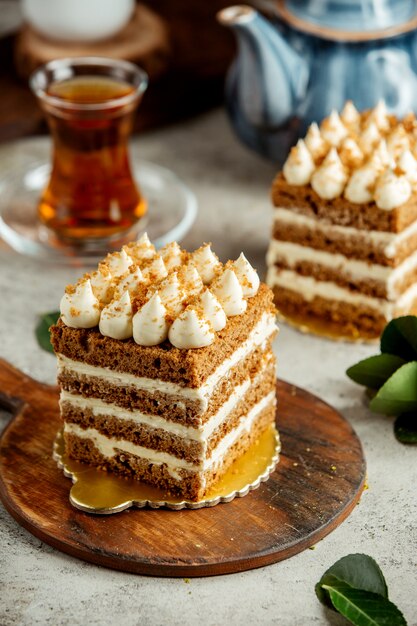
[[109, 447], [388, 241], [355, 269], [309, 288], [200, 434], [259, 334]]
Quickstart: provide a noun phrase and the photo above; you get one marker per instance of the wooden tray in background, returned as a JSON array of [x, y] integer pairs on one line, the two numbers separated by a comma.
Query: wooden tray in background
[[316, 485]]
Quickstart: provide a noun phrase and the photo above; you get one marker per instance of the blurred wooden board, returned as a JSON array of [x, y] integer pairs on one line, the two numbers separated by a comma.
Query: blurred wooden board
[[317, 483], [144, 40]]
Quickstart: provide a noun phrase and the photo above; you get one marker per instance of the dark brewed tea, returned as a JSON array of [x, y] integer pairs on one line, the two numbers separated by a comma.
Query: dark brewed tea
[[91, 193], [89, 89]]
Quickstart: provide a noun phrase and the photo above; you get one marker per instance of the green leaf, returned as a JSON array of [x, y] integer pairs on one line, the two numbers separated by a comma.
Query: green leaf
[[400, 337], [42, 329], [399, 393], [355, 587], [364, 608], [405, 428], [358, 570], [375, 370]]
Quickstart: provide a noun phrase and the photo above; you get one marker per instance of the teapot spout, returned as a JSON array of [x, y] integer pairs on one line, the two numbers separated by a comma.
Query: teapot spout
[[268, 78]]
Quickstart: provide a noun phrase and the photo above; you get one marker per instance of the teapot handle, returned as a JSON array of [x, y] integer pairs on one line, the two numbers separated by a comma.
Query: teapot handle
[[393, 79]]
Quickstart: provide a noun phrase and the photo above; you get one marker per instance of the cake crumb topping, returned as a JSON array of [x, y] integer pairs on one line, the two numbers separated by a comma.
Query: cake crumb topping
[[351, 153], [153, 297]]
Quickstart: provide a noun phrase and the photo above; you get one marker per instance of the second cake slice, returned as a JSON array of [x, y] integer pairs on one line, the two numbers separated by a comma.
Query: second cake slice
[[343, 253]]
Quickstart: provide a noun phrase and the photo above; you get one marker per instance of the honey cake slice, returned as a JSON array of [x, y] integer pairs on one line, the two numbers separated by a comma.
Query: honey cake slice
[[344, 241], [165, 365]]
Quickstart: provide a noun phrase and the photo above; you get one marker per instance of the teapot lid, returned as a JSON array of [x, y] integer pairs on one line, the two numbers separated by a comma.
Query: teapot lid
[[354, 15]]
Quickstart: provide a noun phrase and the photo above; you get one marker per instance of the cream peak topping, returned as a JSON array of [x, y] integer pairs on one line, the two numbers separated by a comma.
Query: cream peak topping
[[131, 280], [329, 179], [118, 263], [379, 116], [171, 293], [350, 116], [248, 277], [147, 297], [359, 189], [333, 130], [155, 270], [143, 248], [102, 282], [398, 141], [229, 293], [79, 307], [299, 166], [391, 190], [150, 326], [350, 153], [212, 310], [315, 142], [116, 318], [408, 164], [381, 153], [369, 137], [191, 279], [191, 330], [171, 255], [206, 263]]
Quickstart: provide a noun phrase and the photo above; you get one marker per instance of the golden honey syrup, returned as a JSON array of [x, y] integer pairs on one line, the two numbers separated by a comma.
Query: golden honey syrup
[[324, 328], [96, 491]]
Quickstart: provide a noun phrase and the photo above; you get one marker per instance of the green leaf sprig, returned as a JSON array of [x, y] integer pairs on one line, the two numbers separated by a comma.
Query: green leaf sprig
[[42, 329], [355, 587], [392, 376]]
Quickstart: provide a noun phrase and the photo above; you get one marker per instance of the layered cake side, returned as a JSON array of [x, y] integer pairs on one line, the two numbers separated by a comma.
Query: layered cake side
[[166, 366], [344, 243]]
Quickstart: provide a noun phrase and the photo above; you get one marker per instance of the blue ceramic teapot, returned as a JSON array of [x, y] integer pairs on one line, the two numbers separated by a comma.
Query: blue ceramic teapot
[[310, 57]]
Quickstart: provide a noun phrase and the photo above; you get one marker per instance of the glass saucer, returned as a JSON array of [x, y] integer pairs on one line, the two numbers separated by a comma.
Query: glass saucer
[[24, 171]]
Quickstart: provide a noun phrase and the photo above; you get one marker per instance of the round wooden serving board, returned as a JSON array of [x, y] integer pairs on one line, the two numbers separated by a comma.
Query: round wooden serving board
[[317, 483]]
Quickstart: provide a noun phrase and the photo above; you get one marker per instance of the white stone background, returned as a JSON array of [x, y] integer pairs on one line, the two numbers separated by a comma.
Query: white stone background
[[39, 585]]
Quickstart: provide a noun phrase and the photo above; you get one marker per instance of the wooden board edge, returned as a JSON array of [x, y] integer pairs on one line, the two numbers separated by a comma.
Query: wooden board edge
[[171, 570]]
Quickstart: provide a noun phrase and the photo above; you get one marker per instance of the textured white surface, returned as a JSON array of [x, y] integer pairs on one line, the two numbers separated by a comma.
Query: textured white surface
[[42, 586]]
